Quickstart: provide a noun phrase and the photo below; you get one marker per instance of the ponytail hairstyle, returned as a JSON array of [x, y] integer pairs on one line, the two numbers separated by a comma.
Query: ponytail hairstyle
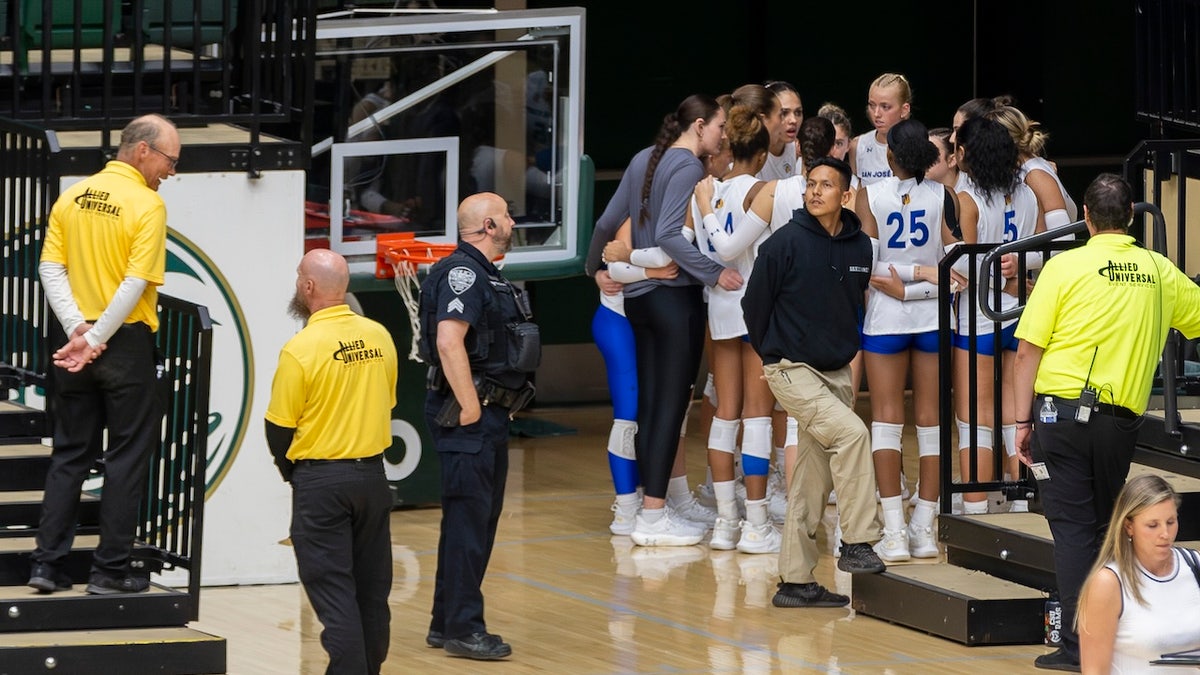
[[941, 137], [746, 133], [694, 107], [1026, 134], [989, 157], [757, 98], [834, 113], [908, 142], [816, 137], [982, 107], [894, 80]]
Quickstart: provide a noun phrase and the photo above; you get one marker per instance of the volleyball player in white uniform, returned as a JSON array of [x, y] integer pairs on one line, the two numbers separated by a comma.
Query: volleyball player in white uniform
[[996, 207], [731, 235], [889, 100], [783, 160], [1057, 206], [903, 215]]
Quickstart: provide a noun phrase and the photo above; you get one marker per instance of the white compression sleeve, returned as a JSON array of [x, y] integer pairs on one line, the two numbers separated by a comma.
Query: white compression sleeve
[[58, 294], [730, 245], [626, 273], [119, 308]]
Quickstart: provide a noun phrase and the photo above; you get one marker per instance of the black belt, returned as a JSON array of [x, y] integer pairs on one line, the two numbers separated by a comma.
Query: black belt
[[1102, 408], [490, 392], [373, 459]]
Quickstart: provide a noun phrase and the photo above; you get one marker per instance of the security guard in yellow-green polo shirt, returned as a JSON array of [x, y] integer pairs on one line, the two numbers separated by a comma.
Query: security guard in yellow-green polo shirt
[[328, 423], [481, 347], [102, 262], [1090, 338]]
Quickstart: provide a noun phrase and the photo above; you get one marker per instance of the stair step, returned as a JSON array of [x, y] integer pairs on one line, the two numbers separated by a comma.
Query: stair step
[[1012, 546], [24, 609], [177, 651], [25, 465], [22, 423], [21, 509], [15, 564], [963, 605]]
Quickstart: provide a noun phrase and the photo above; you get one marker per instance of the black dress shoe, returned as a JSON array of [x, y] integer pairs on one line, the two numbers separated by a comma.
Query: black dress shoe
[[435, 639], [47, 579], [1058, 659], [479, 646]]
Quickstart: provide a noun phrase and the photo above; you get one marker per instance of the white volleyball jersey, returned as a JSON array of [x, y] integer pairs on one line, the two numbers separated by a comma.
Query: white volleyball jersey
[[870, 159], [725, 318], [785, 165], [1005, 219], [1041, 163], [962, 182], [789, 197], [909, 217], [1166, 623]]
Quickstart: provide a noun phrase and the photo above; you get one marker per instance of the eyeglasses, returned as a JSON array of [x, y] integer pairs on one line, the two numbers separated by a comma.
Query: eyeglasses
[[172, 160]]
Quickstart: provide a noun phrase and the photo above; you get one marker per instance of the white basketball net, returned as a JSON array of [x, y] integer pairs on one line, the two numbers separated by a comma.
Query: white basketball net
[[409, 289]]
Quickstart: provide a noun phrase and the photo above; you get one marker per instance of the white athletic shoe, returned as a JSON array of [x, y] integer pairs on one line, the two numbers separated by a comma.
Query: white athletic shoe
[[689, 508], [893, 547], [832, 499], [704, 494], [623, 519], [1018, 506], [837, 539], [921, 542], [763, 538], [724, 534], [669, 530]]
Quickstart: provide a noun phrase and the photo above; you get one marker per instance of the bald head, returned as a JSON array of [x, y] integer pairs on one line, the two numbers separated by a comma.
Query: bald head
[[321, 281], [484, 222]]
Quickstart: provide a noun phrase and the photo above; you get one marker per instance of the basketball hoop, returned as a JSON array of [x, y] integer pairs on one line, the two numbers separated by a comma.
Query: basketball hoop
[[402, 256]]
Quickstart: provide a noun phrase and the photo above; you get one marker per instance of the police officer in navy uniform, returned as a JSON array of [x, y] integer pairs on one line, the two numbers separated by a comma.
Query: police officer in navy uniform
[[481, 347]]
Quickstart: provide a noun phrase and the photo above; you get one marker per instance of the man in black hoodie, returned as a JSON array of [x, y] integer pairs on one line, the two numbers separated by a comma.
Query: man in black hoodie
[[802, 305]]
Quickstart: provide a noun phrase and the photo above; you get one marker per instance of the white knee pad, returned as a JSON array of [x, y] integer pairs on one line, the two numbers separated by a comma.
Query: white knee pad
[[982, 434], [722, 436], [756, 437], [620, 439], [710, 390], [886, 436], [929, 441], [1009, 431], [792, 437]]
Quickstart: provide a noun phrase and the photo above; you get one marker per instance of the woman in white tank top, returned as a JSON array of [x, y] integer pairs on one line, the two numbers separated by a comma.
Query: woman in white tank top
[[1040, 175], [783, 160]]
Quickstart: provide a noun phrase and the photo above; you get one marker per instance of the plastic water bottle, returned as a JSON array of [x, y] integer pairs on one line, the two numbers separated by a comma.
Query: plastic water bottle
[[1053, 622], [1049, 413]]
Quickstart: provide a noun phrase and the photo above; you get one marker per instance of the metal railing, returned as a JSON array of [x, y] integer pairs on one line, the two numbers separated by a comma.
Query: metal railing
[[1167, 63], [96, 64], [171, 519], [27, 192], [986, 299]]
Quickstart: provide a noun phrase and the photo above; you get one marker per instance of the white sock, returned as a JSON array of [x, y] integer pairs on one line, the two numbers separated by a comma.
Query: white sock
[[756, 511], [652, 515], [726, 496], [628, 502], [923, 513], [975, 508], [893, 513], [678, 490]]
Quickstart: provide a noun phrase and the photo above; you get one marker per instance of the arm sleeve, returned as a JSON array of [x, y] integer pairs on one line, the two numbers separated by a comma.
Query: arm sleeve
[[731, 245], [627, 273], [119, 308], [58, 293], [667, 230], [608, 224], [921, 290], [647, 257], [279, 439], [904, 270]]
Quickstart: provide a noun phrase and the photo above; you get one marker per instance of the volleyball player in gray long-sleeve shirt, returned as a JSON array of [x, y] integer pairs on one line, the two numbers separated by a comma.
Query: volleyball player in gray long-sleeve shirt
[[667, 315]]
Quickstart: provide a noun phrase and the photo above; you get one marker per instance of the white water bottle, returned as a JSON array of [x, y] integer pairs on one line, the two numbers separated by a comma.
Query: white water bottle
[[1049, 413]]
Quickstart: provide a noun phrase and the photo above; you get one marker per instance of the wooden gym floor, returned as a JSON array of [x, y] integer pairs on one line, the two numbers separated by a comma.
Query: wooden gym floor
[[571, 598]]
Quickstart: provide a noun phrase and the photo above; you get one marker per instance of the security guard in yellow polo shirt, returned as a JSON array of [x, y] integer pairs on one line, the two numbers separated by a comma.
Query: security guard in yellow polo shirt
[[1091, 335], [103, 260], [481, 347], [328, 423]]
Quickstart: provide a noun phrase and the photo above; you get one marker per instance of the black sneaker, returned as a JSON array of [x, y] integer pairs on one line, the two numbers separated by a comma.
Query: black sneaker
[[435, 639], [48, 578], [99, 584], [859, 559], [1058, 659], [479, 646], [807, 595]]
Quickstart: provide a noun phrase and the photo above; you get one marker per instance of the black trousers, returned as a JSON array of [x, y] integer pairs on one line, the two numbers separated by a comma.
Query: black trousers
[[1087, 464], [343, 542], [668, 333], [474, 461], [117, 391]]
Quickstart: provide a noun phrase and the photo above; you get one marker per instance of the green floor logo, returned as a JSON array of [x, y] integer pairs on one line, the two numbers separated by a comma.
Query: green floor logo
[[192, 276]]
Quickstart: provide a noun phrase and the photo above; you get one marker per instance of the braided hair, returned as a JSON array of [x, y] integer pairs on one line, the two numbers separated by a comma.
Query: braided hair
[[694, 107]]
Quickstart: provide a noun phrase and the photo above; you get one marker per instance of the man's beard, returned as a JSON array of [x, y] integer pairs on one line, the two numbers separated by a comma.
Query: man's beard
[[297, 308], [503, 243]]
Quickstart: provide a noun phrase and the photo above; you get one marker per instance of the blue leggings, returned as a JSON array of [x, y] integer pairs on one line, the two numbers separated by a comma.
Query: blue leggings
[[614, 338]]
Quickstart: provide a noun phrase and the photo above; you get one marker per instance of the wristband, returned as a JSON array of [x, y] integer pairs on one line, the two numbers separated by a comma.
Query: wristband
[[1022, 421]]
